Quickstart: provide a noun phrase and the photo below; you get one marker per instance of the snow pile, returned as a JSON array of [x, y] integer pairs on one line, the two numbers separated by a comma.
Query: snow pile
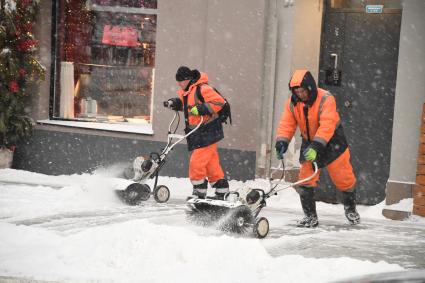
[[403, 205], [139, 251], [76, 193]]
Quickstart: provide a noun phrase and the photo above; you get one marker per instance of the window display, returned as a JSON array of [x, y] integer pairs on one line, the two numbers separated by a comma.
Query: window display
[[105, 60]]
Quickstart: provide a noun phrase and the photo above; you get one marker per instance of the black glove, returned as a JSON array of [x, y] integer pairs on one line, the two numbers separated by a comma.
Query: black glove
[[313, 150], [281, 147], [174, 104]]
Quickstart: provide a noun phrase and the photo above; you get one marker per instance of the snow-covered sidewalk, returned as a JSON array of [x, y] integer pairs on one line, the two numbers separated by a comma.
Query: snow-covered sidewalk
[[76, 230]]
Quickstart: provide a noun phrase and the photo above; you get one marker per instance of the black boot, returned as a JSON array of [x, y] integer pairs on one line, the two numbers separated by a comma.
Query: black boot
[[349, 202], [199, 191], [221, 189], [309, 207]]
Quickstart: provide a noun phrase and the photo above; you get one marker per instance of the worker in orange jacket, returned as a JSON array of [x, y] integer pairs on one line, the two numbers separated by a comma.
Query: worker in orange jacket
[[204, 165], [313, 110]]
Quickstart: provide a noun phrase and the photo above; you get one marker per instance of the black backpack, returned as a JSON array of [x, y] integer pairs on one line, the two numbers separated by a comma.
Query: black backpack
[[224, 112]]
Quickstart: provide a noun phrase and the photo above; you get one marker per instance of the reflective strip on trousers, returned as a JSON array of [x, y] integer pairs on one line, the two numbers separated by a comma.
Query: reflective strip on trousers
[[201, 191], [197, 182], [222, 190]]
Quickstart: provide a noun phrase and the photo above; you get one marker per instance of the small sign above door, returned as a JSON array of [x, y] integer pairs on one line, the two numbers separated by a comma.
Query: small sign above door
[[374, 9]]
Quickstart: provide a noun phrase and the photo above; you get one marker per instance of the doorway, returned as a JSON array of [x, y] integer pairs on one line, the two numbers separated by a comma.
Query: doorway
[[358, 65]]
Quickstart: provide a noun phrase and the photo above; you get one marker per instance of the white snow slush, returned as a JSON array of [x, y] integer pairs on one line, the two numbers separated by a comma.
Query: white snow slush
[[243, 206]]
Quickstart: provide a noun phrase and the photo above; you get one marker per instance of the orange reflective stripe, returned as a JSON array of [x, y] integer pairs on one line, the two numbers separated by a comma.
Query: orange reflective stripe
[[297, 78]]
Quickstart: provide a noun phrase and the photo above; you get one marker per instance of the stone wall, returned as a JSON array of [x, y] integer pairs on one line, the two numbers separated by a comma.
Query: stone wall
[[419, 190]]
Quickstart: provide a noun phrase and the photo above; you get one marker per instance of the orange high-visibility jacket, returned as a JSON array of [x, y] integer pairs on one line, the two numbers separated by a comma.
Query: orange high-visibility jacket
[[317, 118], [211, 130], [213, 101]]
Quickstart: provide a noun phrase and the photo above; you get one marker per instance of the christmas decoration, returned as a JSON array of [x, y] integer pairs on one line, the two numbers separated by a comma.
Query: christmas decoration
[[18, 68]]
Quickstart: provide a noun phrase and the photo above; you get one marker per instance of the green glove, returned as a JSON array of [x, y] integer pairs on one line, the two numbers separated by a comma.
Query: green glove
[[310, 154], [194, 111]]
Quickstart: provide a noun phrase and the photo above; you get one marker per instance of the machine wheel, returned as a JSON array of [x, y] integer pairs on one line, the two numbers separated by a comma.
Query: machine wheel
[[161, 194], [238, 220], [136, 193], [261, 227]]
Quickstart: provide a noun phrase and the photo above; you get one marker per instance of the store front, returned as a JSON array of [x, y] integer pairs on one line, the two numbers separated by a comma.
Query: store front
[[104, 64], [111, 64]]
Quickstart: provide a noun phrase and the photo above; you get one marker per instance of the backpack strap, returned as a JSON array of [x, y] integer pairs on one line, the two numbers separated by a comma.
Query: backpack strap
[[230, 113], [201, 98], [199, 94]]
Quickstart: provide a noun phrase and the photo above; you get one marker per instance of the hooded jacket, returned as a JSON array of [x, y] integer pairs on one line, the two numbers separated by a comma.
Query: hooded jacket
[[317, 118], [211, 130]]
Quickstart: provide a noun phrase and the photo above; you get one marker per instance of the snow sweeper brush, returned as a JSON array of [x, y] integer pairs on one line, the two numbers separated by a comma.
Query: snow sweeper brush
[[148, 168], [238, 212]]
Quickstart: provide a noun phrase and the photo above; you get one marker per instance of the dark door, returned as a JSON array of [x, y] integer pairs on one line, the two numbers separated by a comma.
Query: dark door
[[365, 47]]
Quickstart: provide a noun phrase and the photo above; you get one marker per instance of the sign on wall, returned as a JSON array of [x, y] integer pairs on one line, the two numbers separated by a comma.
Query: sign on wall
[[374, 9]]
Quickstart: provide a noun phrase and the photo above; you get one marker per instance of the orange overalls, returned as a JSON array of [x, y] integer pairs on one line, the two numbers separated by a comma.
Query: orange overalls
[[204, 161], [324, 132]]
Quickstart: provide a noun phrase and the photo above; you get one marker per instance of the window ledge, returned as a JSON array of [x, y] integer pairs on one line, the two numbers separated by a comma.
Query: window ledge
[[115, 127]]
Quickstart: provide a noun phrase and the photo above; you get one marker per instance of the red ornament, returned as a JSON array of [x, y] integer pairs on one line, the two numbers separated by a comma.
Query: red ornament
[[26, 45], [13, 86], [22, 72], [25, 3], [27, 27], [24, 27]]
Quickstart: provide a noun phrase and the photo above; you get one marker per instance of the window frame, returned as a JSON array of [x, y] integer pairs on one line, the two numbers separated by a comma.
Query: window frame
[[125, 127]]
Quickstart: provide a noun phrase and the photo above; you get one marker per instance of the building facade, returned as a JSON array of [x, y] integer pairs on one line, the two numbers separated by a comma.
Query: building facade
[[111, 64]]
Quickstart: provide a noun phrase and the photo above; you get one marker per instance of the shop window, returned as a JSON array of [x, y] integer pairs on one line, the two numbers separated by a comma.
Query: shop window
[[105, 60]]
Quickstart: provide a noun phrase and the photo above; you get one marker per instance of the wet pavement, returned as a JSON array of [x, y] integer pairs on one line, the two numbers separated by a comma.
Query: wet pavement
[[397, 242], [375, 240]]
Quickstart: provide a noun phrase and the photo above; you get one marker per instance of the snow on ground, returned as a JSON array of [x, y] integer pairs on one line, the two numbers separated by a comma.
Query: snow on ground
[[138, 251], [403, 205], [142, 249]]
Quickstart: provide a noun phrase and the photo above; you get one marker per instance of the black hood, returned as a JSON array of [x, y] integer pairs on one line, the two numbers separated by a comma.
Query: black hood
[[304, 79]]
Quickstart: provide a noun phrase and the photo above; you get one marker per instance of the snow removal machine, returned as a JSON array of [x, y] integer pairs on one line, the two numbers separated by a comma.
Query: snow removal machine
[[145, 168], [239, 211]]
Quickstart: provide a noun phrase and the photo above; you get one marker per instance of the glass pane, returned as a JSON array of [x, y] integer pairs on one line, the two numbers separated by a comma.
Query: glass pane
[[105, 60]]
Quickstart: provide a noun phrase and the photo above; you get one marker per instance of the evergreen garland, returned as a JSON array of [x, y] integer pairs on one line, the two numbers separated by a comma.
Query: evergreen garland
[[18, 68]]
